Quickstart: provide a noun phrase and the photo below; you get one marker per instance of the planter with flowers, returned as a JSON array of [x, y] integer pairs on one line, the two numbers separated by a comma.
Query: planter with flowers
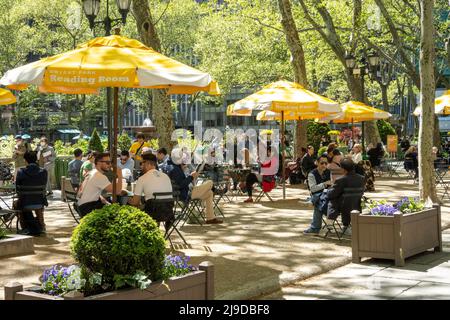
[[120, 252], [396, 231]]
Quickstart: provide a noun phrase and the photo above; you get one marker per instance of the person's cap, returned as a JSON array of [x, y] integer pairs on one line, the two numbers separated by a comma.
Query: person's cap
[[177, 156], [19, 137]]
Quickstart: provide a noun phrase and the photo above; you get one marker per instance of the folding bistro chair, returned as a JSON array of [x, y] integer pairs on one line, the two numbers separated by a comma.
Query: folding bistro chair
[[351, 197], [24, 191], [7, 217], [267, 184], [71, 200], [441, 169], [392, 166], [409, 168], [162, 209], [189, 210]]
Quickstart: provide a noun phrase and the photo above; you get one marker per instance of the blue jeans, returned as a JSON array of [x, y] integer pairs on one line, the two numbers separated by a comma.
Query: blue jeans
[[316, 223]]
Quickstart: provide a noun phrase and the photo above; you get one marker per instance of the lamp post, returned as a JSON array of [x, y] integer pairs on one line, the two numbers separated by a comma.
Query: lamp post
[[368, 64], [91, 9]]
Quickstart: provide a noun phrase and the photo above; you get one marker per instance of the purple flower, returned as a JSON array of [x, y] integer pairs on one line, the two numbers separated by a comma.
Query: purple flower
[[383, 210]]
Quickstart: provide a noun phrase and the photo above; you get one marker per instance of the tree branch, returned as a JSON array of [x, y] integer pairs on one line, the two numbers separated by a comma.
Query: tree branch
[[262, 23], [163, 13], [399, 43]]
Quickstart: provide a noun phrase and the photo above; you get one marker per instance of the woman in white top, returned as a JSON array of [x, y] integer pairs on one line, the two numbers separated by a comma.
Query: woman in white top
[[356, 153]]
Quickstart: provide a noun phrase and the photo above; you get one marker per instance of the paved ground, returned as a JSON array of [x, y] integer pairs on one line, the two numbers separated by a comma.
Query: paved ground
[[259, 249], [425, 276]]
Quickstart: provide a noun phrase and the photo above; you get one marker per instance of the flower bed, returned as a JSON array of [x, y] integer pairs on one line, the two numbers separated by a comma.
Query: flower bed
[[396, 232], [195, 285]]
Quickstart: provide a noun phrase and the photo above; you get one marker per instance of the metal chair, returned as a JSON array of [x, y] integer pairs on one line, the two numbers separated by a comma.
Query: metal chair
[[262, 193], [26, 195], [162, 209], [71, 200], [352, 197]]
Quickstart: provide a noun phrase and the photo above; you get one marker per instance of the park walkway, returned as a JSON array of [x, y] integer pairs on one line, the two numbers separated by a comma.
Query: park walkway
[[257, 250]]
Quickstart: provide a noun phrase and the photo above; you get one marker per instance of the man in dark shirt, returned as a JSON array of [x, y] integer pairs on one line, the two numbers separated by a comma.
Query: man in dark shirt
[[337, 203], [318, 180], [32, 175]]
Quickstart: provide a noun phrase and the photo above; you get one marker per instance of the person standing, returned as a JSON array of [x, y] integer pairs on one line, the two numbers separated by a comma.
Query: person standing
[[136, 150], [46, 159], [18, 155], [87, 165], [74, 169]]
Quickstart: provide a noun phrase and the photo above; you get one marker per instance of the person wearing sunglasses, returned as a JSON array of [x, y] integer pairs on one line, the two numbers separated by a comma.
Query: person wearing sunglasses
[[95, 183], [318, 180]]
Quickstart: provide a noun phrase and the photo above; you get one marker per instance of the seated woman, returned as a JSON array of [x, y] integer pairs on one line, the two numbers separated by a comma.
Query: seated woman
[[334, 165], [269, 169], [375, 155], [411, 163]]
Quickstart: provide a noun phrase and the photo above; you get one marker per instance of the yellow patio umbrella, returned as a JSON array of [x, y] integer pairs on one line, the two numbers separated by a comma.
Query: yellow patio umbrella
[[276, 116], [441, 105], [113, 61], [356, 111], [6, 97], [286, 99]]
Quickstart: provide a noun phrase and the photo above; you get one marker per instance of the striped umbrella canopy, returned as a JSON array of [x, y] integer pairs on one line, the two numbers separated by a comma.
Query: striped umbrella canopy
[[6, 97], [441, 105]]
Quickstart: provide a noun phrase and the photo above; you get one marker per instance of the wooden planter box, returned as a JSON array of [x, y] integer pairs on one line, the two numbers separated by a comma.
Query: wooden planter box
[[397, 237], [197, 285], [16, 244]]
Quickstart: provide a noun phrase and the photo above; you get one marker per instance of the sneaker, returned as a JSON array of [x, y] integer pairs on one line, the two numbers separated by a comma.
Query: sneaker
[[347, 231], [311, 232]]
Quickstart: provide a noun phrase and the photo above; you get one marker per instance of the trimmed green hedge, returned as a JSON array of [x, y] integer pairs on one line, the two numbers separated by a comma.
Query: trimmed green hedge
[[119, 241]]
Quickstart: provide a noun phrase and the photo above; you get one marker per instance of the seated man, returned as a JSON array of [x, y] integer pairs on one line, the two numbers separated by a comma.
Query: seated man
[[125, 162], [95, 183], [31, 175], [337, 204], [162, 157], [318, 180], [175, 170], [152, 181]]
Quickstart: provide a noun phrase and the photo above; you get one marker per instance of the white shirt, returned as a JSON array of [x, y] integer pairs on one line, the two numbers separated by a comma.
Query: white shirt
[[357, 157], [93, 187], [152, 181]]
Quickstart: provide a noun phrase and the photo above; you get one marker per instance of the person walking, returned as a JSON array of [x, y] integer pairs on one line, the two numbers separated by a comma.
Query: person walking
[[46, 159], [18, 155]]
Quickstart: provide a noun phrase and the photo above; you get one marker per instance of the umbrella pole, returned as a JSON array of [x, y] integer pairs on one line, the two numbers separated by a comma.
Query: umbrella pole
[[362, 130], [282, 154], [114, 144]]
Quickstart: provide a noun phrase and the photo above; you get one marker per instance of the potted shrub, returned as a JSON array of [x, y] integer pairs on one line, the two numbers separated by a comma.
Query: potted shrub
[[120, 252], [396, 231]]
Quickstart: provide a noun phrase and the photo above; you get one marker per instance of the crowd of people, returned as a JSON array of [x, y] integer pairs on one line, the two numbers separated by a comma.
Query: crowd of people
[[155, 171]]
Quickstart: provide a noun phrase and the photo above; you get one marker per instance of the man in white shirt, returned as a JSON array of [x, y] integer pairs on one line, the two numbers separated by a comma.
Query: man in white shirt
[[95, 183], [153, 181]]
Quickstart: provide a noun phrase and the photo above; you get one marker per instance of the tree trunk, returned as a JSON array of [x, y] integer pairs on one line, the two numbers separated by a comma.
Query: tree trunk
[[384, 96], [298, 65], [162, 108], [427, 88]]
